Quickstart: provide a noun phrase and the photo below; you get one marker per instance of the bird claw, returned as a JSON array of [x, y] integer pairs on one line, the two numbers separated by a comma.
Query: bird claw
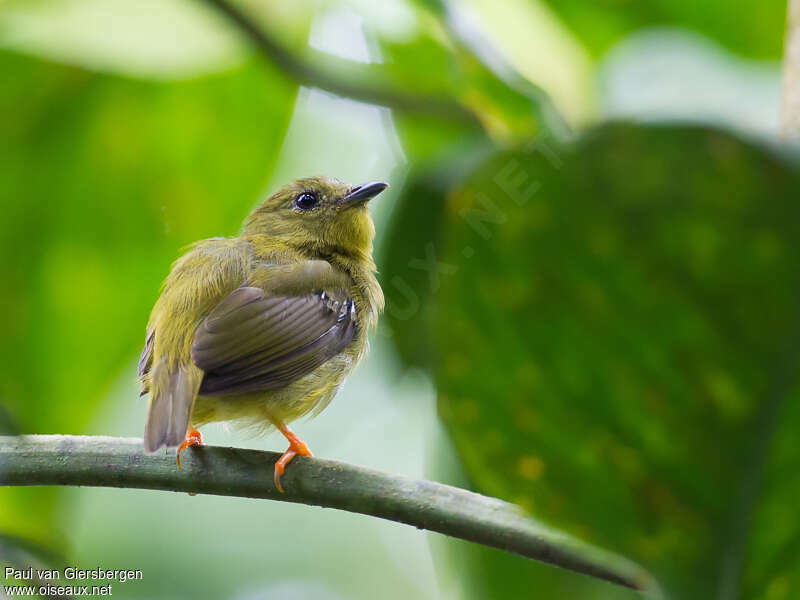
[[296, 447], [193, 438]]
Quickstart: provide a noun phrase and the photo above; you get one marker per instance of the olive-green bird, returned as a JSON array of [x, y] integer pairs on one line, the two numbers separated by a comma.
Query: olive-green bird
[[263, 328]]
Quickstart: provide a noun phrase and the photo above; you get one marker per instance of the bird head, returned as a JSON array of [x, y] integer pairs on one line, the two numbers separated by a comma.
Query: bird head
[[318, 215]]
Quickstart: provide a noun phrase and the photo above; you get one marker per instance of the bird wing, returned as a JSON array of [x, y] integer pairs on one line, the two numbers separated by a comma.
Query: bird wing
[[252, 341]]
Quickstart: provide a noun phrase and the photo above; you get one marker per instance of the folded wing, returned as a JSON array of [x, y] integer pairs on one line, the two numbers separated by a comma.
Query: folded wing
[[251, 342]]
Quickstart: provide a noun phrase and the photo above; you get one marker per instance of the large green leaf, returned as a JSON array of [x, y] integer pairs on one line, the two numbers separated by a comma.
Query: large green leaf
[[614, 334], [755, 30]]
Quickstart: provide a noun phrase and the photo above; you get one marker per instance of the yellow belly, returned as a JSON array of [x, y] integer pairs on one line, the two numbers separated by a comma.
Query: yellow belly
[[263, 410]]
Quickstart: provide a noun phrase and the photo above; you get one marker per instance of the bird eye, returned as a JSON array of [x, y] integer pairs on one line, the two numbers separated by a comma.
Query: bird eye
[[306, 201]]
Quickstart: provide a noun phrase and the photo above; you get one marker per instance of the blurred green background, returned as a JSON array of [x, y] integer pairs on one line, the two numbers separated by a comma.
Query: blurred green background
[[589, 251]]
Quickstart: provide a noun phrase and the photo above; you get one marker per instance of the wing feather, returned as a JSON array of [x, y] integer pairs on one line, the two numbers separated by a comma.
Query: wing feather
[[252, 342]]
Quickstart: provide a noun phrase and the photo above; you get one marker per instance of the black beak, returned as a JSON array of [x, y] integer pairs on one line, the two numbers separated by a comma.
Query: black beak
[[362, 193]]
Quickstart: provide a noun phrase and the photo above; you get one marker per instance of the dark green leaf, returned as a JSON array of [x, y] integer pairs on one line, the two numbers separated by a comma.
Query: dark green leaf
[[615, 340]]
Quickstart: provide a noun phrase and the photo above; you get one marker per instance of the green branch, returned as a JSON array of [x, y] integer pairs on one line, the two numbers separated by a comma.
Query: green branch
[[122, 463]]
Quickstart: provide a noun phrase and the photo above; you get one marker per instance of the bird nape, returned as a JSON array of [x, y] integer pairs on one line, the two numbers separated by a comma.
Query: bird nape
[[263, 328]]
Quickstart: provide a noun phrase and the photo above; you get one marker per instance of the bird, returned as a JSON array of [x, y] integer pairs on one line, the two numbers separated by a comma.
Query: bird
[[262, 328]]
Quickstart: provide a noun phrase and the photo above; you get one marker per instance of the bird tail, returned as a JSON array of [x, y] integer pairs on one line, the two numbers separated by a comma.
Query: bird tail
[[172, 393]]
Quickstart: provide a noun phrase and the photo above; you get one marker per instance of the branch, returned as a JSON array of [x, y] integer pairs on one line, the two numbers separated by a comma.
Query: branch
[[343, 77], [122, 463], [790, 111]]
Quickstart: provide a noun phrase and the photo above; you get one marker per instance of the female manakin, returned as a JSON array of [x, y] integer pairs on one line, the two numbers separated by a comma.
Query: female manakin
[[263, 328]]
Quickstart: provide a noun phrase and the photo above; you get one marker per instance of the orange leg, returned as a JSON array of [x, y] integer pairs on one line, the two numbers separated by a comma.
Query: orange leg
[[193, 438], [296, 446]]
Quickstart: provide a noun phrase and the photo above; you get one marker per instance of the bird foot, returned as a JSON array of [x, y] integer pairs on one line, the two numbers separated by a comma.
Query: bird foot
[[193, 438], [296, 446]]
